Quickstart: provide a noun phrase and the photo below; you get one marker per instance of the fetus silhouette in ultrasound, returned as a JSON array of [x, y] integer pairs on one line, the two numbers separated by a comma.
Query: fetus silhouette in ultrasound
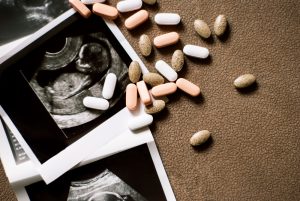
[[77, 70]]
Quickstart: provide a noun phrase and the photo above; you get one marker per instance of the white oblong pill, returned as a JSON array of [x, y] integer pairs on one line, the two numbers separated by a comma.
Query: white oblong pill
[[95, 103], [167, 18], [140, 122], [196, 51], [89, 2], [129, 5], [165, 70], [109, 86]]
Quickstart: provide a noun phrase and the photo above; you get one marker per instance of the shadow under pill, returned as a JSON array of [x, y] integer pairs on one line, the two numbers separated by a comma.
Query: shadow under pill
[[169, 50], [206, 146], [172, 28], [249, 90], [206, 61], [141, 29], [226, 36]]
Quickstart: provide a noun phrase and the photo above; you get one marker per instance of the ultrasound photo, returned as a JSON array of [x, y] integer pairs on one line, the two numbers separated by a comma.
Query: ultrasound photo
[[25, 16]]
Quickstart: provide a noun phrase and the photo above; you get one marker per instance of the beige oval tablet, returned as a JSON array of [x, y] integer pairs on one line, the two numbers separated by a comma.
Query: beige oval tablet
[[105, 11], [145, 45], [202, 28], [200, 137], [188, 87], [80, 8], [164, 89], [131, 96], [220, 25], [136, 19], [244, 81], [157, 106], [144, 94], [153, 79], [134, 72], [166, 39], [177, 60]]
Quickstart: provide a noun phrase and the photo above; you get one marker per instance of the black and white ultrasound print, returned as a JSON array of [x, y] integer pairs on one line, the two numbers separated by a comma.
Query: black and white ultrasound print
[[19, 18], [106, 187], [78, 69]]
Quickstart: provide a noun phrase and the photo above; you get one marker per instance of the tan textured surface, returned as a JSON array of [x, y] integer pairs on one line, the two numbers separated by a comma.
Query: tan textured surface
[[254, 154]]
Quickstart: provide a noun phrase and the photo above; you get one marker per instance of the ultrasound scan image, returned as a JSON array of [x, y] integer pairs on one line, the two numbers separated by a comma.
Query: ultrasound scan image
[[76, 69]]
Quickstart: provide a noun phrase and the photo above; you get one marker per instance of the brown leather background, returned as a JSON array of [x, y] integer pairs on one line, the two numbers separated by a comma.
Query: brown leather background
[[254, 153]]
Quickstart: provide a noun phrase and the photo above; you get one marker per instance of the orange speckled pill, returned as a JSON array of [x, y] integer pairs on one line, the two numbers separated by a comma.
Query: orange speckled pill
[[166, 39], [143, 91], [188, 87], [105, 11], [80, 8], [164, 89], [131, 96], [136, 19]]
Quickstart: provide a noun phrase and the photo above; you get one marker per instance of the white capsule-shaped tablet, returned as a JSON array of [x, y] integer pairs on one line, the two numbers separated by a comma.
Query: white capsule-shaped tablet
[[139, 122], [129, 5], [167, 18], [89, 2], [165, 70], [196, 51], [95, 103], [109, 86]]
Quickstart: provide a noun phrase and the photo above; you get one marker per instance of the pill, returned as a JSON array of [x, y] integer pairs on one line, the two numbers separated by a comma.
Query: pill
[[200, 137], [145, 45], [196, 51], [140, 121], [80, 8], [134, 72], [129, 5], [165, 70], [164, 89], [177, 61], [143, 92], [150, 2], [166, 39], [156, 107], [95, 103], [220, 25], [89, 2], [202, 28], [164, 98], [131, 96], [136, 19], [244, 81], [188, 87], [153, 79], [167, 18], [105, 11], [109, 86]]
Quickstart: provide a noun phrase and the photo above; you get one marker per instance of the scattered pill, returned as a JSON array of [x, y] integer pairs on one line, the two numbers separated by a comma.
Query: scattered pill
[[129, 5], [89, 2], [134, 72], [80, 8], [167, 18], [165, 70], [220, 25], [143, 92], [140, 122], [131, 96], [164, 89], [156, 107], [153, 79], [109, 86], [95, 103], [166, 39], [136, 19], [200, 137], [164, 98], [177, 61], [202, 28], [105, 11], [145, 45], [244, 81], [196, 51], [188, 87], [150, 2]]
